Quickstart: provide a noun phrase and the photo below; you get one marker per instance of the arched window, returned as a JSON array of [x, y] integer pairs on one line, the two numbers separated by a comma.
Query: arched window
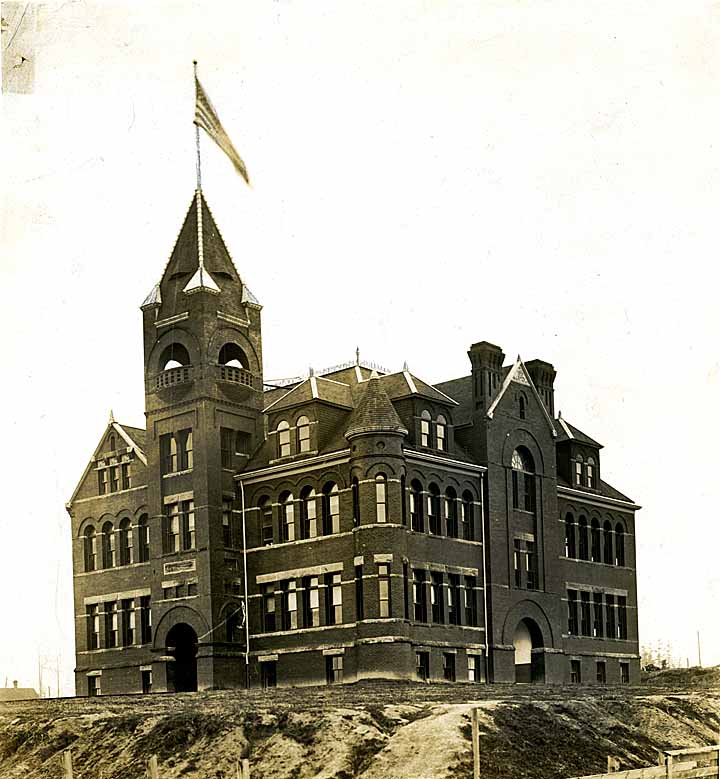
[[451, 512], [174, 356], [126, 542], [355, 488], [287, 517], [303, 434], [416, 512], [467, 518], [608, 543], [266, 520], [570, 550], [108, 545], [112, 443], [582, 538], [578, 471], [595, 541], [403, 498], [143, 539], [232, 355], [381, 497], [331, 509], [521, 406], [590, 468], [90, 543], [440, 431], [425, 428], [523, 479], [283, 434], [619, 544], [433, 509], [308, 513]]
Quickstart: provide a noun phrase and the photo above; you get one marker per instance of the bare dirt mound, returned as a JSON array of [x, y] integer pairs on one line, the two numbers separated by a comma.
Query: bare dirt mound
[[703, 678], [369, 731]]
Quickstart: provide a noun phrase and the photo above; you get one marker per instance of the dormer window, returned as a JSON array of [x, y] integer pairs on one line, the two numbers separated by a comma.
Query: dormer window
[[425, 428], [440, 431], [283, 433], [590, 473], [303, 434], [579, 471]]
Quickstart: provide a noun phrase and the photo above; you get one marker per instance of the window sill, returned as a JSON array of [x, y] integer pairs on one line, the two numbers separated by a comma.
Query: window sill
[[595, 562], [177, 473], [107, 570]]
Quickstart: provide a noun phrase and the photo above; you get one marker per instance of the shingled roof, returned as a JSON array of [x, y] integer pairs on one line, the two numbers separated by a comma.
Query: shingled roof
[[375, 412]]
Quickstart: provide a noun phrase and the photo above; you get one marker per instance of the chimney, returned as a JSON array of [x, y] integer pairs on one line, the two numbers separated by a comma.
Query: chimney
[[15, 683], [543, 376], [486, 360]]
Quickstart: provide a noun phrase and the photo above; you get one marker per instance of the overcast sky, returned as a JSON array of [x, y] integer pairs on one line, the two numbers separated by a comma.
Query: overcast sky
[[542, 175]]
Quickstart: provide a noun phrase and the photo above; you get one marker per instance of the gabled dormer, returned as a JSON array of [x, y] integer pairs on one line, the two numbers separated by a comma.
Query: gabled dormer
[[578, 457]]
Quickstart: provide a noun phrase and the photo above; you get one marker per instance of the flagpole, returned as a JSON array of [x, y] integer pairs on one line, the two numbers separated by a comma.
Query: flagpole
[[197, 133]]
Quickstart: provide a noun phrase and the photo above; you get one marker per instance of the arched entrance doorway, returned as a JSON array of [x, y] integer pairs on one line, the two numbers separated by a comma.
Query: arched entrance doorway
[[182, 670], [529, 656]]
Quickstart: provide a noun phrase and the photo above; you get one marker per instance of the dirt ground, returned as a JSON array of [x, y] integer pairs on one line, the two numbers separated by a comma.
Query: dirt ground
[[372, 730]]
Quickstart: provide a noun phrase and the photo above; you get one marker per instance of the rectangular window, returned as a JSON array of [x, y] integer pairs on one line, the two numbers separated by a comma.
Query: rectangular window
[[111, 625], [125, 475], [93, 626], [436, 597], [529, 502], [102, 484], [146, 681], [168, 453], [333, 599], [475, 668], [268, 674], [192, 588], [128, 622], [471, 615], [453, 599], [242, 442], [419, 596], [448, 666], [422, 665], [227, 523], [114, 484], [310, 602], [532, 565], [171, 536], [572, 612], [185, 449], [597, 615], [610, 616], [384, 589], [188, 524], [578, 474], [267, 525], [575, 677], [94, 686], [308, 519], [585, 613], [287, 519], [601, 672], [518, 561], [622, 616], [334, 669], [424, 432], [624, 673], [227, 447], [145, 620], [288, 607], [359, 596], [269, 608]]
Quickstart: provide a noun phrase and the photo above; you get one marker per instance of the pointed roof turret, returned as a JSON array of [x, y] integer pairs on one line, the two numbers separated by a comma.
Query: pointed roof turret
[[375, 412]]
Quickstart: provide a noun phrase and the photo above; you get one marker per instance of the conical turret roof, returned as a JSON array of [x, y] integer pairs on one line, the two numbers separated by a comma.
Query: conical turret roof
[[375, 412]]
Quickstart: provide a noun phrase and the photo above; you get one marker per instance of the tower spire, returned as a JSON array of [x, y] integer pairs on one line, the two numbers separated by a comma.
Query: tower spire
[[197, 132]]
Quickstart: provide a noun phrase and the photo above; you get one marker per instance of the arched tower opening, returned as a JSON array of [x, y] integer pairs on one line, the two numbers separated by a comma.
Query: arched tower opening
[[529, 657], [181, 645]]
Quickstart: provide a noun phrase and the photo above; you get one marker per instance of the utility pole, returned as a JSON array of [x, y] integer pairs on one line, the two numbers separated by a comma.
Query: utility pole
[[699, 655]]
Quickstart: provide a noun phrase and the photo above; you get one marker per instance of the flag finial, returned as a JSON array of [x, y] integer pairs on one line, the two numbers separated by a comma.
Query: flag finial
[[357, 355]]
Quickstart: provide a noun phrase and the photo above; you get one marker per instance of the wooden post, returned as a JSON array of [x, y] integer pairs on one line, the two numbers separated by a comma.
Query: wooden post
[[245, 768], [613, 765], [669, 765], [67, 764], [153, 768], [475, 744]]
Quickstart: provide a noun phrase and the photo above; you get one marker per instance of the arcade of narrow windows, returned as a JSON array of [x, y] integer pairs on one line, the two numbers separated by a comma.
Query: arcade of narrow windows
[[118, 546], [176, 452], [593, 542], [123, 622], [597, 614], [315, 514]]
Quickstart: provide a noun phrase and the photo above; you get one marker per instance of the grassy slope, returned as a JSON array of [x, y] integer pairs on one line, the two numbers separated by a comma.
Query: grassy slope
[[372, 730]]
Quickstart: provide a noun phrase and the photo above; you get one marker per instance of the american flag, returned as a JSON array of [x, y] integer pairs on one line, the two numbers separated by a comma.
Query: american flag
[[207, 118]]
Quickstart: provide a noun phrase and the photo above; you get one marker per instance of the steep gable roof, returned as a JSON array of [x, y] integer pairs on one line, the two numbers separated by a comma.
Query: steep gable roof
[[567, 432], [404, 384], [313, 388]]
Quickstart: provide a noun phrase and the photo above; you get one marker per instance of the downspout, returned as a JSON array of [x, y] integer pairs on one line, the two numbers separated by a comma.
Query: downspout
[[245, 588], [485, 598]]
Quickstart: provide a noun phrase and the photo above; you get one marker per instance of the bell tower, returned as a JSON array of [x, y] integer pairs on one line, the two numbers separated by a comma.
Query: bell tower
[[203, 404]]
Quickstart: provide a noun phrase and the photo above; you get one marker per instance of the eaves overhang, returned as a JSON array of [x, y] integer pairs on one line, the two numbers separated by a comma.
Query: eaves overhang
[[293, 467], [598, 500]]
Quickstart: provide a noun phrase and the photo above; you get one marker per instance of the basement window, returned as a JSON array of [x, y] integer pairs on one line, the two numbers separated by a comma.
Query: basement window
[[448, 666], [601, 672], [575, 676], [334, 669], [422, 665]]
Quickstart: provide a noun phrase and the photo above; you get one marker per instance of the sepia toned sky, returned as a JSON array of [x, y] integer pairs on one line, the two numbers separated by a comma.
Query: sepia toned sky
[[542, 175]]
